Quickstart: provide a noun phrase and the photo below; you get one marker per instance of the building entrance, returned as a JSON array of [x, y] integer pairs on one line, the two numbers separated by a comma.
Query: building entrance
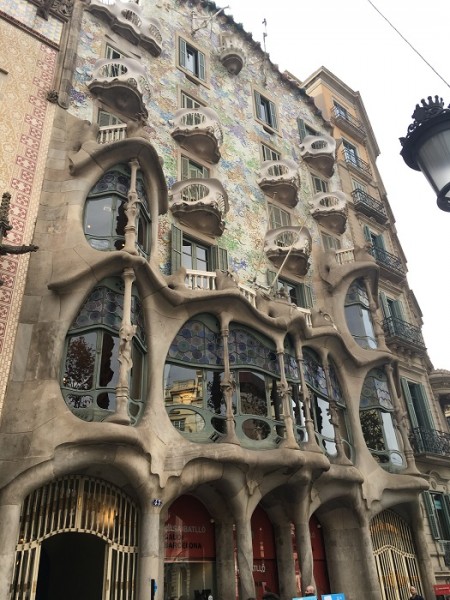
[[78, 539], [71, 567]]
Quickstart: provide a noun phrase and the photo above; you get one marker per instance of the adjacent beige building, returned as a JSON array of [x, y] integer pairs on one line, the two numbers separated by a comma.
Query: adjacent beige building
[[214, 381]]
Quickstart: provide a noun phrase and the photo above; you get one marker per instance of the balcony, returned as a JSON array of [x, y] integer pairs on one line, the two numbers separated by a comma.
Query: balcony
[[198, 131], [430, 441], [112, 133], [391, 267], [289, 247], [200, 204], [319, 152], [357, 164], [121, 83], [206, 280], [330, 210], [404, 336], [369, 206], [348, 123], [128, 20], [231, 55], [279, 179]]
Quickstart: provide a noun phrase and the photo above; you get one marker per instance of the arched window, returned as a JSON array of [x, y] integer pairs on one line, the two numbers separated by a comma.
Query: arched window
[[316, 382], [194, 373], [358, 316], [104, 213], [91, 365], [375, 413]]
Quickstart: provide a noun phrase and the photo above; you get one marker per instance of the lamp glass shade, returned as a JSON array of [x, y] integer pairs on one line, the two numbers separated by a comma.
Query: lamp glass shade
[[433, 158]]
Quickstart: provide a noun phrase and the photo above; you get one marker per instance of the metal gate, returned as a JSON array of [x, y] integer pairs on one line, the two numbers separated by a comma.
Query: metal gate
[[395, 555], [81, 505]]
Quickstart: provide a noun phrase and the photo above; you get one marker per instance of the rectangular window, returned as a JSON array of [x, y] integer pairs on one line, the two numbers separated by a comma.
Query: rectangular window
[[418, 406], [192, 170], [304, 129], [438, 509], [269, 153], [320, 185], [266, 111], [112, 53], [340, 110], [195, 255], [106, 119], [278, 217], [189, 102], [350, 152], [357, 185], [300, 294], [330, 242], [192, 60]]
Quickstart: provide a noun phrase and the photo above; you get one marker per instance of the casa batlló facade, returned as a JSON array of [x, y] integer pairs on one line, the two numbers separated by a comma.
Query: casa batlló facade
[[213, 376]]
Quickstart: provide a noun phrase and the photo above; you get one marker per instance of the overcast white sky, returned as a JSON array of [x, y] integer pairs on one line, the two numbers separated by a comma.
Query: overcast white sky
[[354, 42]]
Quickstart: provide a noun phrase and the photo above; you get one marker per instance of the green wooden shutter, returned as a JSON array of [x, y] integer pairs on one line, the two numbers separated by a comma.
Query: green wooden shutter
[[185, 168], [305, 295], [384, 305], [258, 105], [183, 53], [409, 403], [301, 129], [177, 239], [273, 115], [378, 241], [367, 234], [201, 66], [219, 259], [426, 413], [432, 517], [270, 277]]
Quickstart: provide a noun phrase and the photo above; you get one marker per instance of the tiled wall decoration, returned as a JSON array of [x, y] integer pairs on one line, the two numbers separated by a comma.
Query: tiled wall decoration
[[29, 66]]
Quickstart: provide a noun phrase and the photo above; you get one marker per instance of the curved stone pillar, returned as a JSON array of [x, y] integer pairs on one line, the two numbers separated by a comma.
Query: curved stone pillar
[[151, 552], [225, 567], [9, 534], [285, 560], [245, 559]]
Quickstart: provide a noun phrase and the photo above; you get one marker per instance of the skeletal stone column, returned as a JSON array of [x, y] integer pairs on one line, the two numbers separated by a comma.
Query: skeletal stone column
[[311, 444], [228, 386], [132, 211], [289, 441]]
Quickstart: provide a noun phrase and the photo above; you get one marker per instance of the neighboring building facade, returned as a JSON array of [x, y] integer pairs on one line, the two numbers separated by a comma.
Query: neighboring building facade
[[214, 364]]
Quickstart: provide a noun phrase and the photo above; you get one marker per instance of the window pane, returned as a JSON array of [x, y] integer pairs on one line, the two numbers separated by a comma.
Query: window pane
[[109, 362], [186, 258], [252, 393], [137, 374], [372, 429], [80, 362], [389, 431], [183, 385], [98, 216], [215, 397]]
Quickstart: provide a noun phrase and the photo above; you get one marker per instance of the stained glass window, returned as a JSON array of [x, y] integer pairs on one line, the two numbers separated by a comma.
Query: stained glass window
[[104, 215], [91, 363]]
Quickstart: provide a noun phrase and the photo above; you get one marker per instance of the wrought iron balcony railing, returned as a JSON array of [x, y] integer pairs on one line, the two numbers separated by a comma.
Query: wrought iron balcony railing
[[389, 261], [369, 206], [403, 332], [357, 163], [430, 441], [347, 120]]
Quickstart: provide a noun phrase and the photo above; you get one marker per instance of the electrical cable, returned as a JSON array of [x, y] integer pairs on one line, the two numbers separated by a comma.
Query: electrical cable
[[409, 44]]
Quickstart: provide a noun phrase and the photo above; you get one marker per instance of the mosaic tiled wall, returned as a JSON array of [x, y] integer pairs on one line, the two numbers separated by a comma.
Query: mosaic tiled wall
[[25, 127], [26, 13], [232, 98]]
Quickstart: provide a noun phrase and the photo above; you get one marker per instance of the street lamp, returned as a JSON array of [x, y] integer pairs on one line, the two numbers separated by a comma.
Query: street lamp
[[426, 147]]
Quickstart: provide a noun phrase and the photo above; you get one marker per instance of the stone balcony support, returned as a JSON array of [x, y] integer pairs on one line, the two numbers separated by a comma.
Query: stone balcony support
[[319, 152], [198, 130], [289, 248], [330, 209], [201, 204], [121, 83], [128, 20], [279, 179]]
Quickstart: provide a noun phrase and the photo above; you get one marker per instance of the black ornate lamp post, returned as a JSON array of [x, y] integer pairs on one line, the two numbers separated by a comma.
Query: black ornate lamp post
[[5, 227], [426, 147]]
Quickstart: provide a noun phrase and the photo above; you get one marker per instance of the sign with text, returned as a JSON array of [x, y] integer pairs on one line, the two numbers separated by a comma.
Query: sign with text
[[333, 597], [305, 598], [442, 589]]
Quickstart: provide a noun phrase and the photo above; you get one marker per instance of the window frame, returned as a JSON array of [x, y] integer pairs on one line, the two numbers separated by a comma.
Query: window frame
[[184, 96], [269, 118], [417, 404], [304, 129], [302, 296], [186, 163], [438, 525], [199, 73], [216, 257], [269, 153], [330, 243], [320, 184]]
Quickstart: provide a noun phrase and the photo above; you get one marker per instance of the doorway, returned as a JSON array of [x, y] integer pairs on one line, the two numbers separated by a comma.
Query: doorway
[[71, 567]]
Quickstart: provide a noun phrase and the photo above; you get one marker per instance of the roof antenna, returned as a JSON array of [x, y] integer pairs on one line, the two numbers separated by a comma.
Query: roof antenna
[[265, 53], [265, 35]]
